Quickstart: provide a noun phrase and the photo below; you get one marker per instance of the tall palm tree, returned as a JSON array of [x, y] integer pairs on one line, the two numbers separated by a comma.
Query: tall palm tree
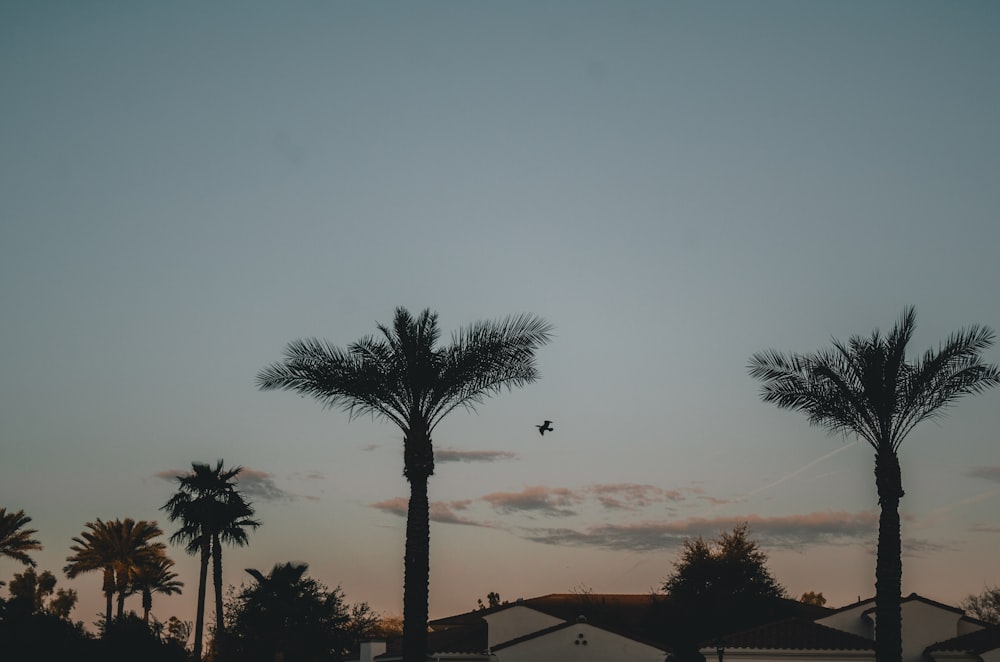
[[868, 388], [154, 576], [211, 511], [116, 548], [15, 540], [405, 377]]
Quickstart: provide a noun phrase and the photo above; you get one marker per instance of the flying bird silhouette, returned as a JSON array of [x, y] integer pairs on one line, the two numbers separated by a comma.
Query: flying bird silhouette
[[545, 427]]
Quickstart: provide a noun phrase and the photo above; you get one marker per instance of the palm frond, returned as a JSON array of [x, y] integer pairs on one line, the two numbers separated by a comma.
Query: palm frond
[[868, 388], [15, 540]]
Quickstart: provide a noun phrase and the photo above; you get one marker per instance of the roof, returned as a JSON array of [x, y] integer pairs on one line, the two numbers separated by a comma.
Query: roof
[[977, 642], [471, 638], [797, 634]]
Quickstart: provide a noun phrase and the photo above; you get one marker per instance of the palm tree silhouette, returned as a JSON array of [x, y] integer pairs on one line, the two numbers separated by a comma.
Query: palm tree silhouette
[[15, 540], [406, 378], [117, 548], [869, 389], [154, 576], [211, 511]]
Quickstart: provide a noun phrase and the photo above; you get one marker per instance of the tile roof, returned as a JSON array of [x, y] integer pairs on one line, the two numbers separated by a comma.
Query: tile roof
[[797, 634], [977, 642]]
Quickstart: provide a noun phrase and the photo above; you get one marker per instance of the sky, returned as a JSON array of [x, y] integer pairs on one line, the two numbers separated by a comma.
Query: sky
[[186, 187]]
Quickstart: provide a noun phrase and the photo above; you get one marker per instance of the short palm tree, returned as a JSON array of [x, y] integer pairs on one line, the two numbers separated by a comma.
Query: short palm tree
[[868, 388], [116, 548], [154, 576], [405, 377], [211, 511], [15, 540]]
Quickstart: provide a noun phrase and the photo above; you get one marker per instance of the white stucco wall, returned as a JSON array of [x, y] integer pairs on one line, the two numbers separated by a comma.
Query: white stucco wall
[[580, 643], [923, 625], [849, 620], [991, 656], [515, 622]]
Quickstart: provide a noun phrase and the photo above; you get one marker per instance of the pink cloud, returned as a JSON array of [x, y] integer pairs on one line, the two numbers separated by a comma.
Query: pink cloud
[[782, 532], [632, 495], [440, 511], [545, 500]]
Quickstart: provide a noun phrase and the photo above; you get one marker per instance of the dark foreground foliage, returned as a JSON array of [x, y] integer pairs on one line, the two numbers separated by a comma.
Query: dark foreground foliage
[[287, 615], [30, 635]]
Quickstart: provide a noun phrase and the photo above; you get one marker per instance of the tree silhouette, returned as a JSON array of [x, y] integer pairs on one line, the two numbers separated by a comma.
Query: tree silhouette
[[34, 589], [211, 511], [154, 576], [869, 389], [286, 615], [406, 378], [985, 606], [15, 540], [116, 548], [721, 585]]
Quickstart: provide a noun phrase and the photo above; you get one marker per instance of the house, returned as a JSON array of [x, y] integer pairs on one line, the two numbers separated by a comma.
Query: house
[[594, 628], [931, 630], [618, 628]]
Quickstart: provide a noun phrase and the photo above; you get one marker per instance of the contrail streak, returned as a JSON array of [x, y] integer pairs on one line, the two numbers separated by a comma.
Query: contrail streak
[[805, 466]]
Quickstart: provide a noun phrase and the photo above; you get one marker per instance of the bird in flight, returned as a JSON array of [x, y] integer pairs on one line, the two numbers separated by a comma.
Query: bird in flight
[[545, 427]]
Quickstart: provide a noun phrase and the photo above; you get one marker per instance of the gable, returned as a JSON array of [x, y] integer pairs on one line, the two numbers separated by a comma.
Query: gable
[[517, 621], [569, 642]]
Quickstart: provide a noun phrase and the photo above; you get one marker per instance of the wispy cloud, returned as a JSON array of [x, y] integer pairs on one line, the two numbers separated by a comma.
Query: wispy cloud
[[455, 455], [253, 483], [985, 528], [631, 496], [440, 511], [551, 501], [260, 485], [369, 448], [779, 532], [989, 473]]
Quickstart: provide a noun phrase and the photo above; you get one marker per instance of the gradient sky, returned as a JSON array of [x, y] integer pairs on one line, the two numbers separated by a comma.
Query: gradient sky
[[186, 187]]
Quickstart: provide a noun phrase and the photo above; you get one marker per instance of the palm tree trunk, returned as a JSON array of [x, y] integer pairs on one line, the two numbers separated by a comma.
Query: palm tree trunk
[[416, 575], [122, 588], [199, 626], [217, 582], [109, 591], [418, 461], [888, 563]]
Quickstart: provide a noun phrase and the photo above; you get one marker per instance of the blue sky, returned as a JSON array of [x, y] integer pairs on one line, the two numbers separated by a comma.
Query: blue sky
[[674, 186]]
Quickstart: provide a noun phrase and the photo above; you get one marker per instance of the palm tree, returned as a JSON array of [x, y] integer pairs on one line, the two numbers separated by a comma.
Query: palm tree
[[211, 511], [116, 548], [403, 376], [869, 389], [154, 576], [15, 540]]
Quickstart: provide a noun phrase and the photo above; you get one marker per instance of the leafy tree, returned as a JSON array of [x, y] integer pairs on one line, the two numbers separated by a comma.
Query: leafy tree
[[286, 615], [30, 634], [868, 388], [719, 585], [178, 631], [405, 377], [492, 600], [154, 576], [211, 511], [985, 606], [117, 549], [34, 589], [811, 598], [15, 540], [388, 626], [128, 638]]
